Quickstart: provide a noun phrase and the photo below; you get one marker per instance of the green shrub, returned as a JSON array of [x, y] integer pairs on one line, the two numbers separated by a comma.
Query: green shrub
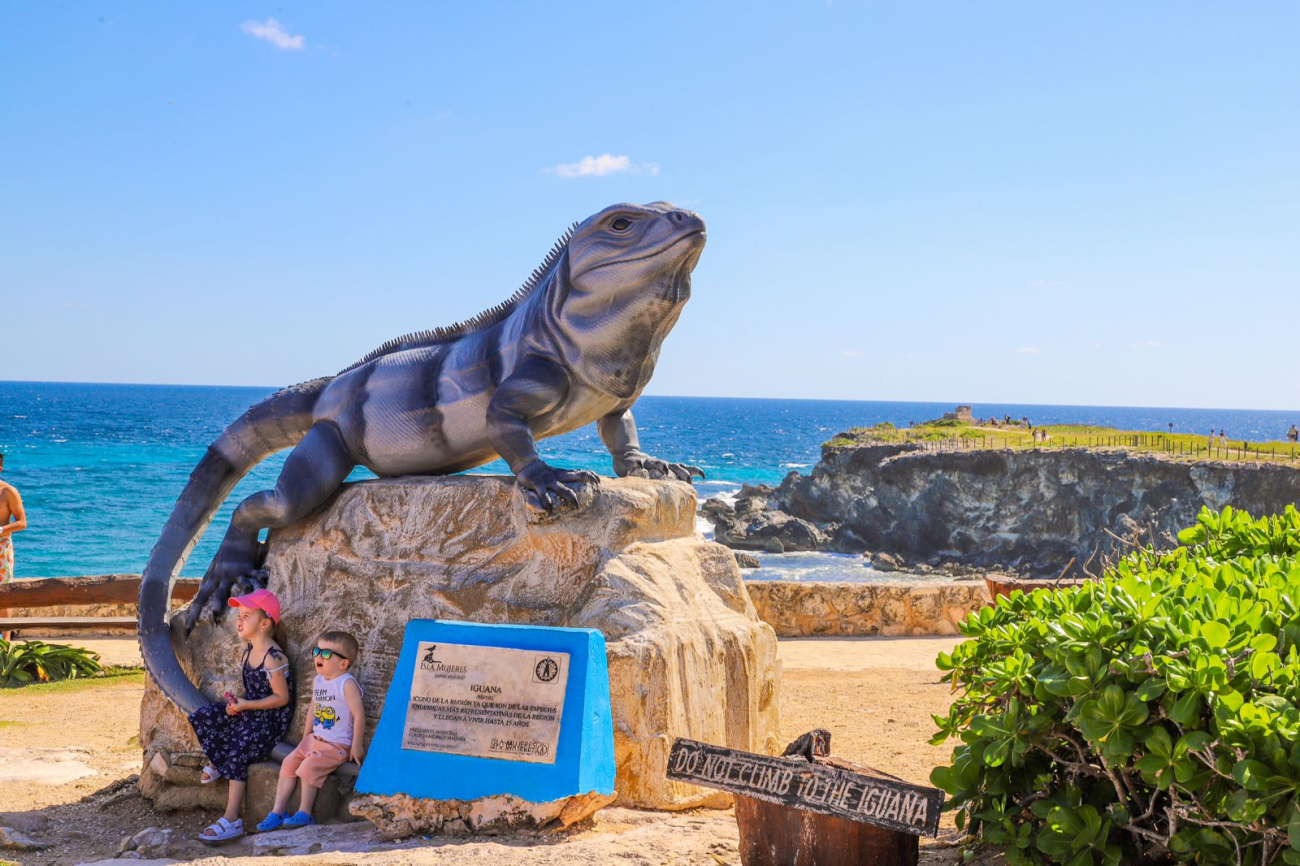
[[24, 662], [1147, 717]]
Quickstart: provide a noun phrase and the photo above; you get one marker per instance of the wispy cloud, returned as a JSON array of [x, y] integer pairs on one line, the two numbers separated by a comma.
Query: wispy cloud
[[850, 353], [606, 163], [1029, 350], [1047, 284], [1147, 344], [273, 31]]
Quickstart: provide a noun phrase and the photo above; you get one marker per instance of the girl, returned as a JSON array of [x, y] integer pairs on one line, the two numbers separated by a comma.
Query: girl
[[243, 731]]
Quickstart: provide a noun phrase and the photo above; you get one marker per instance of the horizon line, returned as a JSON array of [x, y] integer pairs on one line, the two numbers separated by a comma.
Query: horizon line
[[971, 403]]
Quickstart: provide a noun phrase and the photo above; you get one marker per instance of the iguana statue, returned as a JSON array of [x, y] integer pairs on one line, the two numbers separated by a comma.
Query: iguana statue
[[576, 344]]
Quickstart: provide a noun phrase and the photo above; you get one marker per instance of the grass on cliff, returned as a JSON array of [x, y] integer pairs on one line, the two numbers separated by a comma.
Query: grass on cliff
[[1183, 446]]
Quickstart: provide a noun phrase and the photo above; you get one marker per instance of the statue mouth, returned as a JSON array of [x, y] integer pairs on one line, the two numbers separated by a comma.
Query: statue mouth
[[679, 290]]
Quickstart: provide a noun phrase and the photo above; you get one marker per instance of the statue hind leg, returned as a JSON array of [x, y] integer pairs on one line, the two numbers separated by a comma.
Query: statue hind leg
[[314, 469]]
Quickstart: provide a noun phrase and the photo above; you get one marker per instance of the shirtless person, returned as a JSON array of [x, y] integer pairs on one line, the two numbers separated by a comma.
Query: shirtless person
[[12, 519]]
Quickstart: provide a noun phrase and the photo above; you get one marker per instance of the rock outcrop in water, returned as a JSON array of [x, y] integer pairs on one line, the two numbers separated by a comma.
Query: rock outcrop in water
[[1032, 511]]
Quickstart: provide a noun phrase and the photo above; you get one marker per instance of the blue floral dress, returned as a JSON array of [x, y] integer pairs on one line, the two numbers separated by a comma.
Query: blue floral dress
[[231, 743]]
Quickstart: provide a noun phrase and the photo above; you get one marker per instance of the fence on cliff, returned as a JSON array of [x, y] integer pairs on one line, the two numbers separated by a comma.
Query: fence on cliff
[[1149, 443]]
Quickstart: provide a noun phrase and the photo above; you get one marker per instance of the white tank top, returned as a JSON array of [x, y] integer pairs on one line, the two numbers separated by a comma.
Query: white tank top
[[333, 720]]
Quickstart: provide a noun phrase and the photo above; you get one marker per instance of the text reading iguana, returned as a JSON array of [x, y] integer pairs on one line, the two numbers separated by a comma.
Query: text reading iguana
[[575, 345]]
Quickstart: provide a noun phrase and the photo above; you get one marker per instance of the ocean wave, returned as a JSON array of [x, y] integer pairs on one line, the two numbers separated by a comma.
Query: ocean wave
[[795, 465], [808, 566]]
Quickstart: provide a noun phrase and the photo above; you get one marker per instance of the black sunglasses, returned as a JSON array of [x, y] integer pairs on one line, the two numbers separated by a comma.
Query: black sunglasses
[[327, 653]]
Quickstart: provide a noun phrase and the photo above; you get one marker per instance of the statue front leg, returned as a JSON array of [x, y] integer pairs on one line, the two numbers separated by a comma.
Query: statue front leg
[[531, 391], [618, 432]]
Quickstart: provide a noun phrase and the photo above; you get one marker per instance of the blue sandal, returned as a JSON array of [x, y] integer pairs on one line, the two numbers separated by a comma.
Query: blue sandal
[[272, 821], [298, 819]]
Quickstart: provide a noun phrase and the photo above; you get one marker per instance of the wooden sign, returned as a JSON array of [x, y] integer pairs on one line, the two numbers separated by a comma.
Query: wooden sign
[[816, 787]]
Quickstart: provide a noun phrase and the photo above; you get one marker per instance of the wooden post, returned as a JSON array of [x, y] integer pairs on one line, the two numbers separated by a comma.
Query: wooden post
[[772, 835]]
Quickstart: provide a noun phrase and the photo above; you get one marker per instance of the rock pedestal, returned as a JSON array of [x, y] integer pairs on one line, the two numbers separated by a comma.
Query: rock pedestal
[[688, 657]]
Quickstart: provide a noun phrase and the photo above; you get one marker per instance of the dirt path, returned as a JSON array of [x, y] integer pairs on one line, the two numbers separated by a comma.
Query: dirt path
[[874, 695]]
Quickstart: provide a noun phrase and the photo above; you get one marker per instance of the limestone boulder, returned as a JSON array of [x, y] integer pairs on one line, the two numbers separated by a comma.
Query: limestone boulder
[[688, 656]]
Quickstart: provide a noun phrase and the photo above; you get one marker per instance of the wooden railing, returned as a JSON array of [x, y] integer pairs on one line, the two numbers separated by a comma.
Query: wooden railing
[[71, 591]]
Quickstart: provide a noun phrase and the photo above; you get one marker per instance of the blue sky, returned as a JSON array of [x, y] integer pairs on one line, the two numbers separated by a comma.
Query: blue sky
[[1023, 202]]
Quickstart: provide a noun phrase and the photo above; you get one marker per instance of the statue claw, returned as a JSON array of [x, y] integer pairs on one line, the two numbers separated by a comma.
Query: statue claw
[[546, 487], [233, 571], [641, 465]]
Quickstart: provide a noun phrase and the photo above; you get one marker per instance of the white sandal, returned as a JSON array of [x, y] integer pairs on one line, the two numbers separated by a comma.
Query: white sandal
[[209, 775], [223, 830]]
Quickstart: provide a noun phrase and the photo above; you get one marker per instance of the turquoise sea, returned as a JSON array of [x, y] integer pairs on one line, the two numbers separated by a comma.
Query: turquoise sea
[[99, 466]]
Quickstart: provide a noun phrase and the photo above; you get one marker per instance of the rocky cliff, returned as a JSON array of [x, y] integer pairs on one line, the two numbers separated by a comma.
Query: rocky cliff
[[1029, 510]]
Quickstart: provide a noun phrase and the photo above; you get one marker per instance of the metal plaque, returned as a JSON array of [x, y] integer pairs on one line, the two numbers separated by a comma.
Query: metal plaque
[[485, 701]]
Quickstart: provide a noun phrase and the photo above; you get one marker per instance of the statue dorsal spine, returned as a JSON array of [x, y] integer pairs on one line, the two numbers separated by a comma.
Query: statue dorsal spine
[[485, 319]]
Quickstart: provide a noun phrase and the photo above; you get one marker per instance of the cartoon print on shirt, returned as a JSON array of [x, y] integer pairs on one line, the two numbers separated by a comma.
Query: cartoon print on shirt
[[326, 716]]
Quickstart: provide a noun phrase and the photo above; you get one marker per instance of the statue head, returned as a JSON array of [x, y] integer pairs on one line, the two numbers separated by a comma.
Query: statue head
[[627, 275], [631, 252]]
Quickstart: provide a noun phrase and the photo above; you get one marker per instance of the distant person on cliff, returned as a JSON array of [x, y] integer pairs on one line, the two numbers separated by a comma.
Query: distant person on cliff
[[1293, 435], [1223, 440], [12, 519]]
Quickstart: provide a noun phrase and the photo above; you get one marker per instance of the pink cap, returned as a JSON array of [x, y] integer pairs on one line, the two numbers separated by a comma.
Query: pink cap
[[260, 599]]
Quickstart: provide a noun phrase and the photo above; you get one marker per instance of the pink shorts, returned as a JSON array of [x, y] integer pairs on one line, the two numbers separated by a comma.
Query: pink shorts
[[313, 761]]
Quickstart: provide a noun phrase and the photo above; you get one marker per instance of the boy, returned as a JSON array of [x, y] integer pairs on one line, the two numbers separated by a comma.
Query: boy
[[336, 726]]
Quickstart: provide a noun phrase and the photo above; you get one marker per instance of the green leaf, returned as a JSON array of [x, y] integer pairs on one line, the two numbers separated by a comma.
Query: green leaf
[[1186, 709], [1215, 634], [1150, 690], [1250, 774]]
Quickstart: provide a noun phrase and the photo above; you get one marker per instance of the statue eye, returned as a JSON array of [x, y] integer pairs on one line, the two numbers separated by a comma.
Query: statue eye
[[621, 224]]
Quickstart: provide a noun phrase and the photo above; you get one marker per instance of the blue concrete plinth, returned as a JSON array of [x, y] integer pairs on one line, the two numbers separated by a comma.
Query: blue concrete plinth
[[584, 753]]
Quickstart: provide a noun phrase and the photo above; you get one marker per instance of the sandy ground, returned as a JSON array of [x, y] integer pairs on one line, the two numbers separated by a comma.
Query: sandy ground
[[875, 695]]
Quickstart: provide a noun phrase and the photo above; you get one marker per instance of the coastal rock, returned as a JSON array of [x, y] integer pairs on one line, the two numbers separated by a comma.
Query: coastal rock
[[400, 816], [886, 562], [744, 560], [1031, 511], [688, 657], [770, 530]]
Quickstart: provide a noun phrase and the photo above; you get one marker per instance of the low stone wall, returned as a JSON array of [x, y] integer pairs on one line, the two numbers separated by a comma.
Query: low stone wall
[[887, 608]]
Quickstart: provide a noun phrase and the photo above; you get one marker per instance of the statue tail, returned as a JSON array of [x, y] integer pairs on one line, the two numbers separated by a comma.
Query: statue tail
[[278, 422]]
